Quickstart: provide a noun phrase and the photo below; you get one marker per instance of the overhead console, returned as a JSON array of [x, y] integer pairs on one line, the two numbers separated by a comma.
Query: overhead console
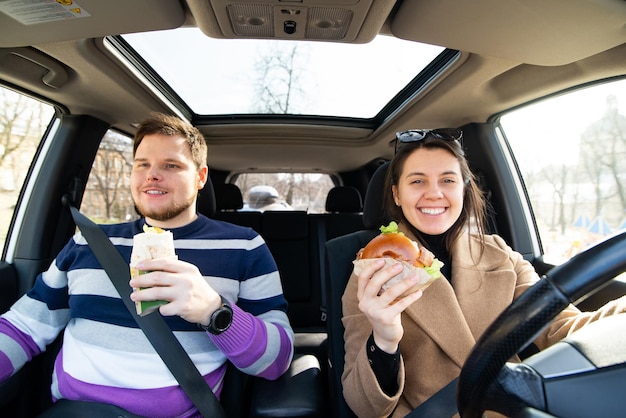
[[337, 20]]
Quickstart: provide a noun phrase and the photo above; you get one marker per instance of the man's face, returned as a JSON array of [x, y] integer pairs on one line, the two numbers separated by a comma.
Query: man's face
[[164, 181]]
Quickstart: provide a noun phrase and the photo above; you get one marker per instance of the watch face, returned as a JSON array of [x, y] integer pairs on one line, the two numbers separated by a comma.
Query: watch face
[[223, 319], [220, 319]]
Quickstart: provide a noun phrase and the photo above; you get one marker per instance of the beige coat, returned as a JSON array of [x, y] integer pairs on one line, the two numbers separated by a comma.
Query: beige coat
[[441, 328]]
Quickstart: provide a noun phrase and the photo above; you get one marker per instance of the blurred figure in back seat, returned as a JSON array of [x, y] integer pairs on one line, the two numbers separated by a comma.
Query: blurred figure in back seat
[[264, 198]]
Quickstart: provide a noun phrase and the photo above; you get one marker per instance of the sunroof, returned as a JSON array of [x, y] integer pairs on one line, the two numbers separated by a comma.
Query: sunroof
[[233, 76]]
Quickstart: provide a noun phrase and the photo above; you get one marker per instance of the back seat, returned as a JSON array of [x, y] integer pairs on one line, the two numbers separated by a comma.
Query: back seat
[[344, 207], [297, 242], [288, 237], [344, 212], [228, 201]]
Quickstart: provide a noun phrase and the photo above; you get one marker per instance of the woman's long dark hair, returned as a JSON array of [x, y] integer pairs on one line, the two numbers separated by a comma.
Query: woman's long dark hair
[[473, 214]]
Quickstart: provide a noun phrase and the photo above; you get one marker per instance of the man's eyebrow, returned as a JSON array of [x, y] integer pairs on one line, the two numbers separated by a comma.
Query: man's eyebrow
[[167, 160]]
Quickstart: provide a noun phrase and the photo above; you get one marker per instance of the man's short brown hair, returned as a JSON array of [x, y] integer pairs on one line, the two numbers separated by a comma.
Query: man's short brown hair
[[169, 125]]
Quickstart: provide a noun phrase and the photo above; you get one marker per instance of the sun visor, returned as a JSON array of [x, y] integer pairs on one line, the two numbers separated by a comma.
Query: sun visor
[[536, 32], [42, 21]]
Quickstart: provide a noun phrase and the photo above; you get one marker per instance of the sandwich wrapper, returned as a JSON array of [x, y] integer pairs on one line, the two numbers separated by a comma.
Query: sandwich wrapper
[[425, 279], [154, 242]]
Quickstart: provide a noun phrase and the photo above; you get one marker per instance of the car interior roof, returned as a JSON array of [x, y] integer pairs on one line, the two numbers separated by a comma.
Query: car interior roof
[[521, 52]]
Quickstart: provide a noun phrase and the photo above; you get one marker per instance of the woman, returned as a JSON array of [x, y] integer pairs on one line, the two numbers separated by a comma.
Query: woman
[[399, 354]]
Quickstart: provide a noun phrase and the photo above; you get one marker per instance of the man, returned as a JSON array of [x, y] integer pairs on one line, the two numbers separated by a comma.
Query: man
[[105, 357]]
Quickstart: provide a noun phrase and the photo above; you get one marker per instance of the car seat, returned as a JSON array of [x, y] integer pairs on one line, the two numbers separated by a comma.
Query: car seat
[[229, 202], [344, 208], [297, 393], [344, 199], [228, 197], [205, 202], [340, 252]]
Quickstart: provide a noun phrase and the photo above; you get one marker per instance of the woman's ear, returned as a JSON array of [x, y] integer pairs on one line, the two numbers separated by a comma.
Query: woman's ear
[[396, 198]]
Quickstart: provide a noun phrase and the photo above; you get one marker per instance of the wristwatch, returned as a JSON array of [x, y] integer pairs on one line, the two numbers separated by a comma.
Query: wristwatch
[[221, 319]]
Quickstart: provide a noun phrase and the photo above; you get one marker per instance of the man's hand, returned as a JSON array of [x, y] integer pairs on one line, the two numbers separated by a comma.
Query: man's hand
[[181, 284]]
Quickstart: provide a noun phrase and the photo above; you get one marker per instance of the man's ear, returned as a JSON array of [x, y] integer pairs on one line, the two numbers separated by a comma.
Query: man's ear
[[203, 177]]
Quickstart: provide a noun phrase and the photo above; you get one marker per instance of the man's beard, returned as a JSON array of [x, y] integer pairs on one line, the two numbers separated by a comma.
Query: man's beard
[[167, 213]]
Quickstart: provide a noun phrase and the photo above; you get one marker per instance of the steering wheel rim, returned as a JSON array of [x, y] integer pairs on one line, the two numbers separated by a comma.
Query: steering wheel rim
[[517, 325]]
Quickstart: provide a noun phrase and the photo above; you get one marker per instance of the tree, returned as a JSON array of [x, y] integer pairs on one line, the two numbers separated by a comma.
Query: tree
[[280, 91], [603, 152], [110, 171], [278, 86], [22, 123]]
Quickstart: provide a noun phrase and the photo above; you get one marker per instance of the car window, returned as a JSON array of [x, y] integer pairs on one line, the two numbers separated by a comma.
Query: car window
[[23, 122], [571, 152], [284, 191], [107, 196]]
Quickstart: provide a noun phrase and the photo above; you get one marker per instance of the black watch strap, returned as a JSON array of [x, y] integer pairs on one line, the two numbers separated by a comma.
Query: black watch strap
[[221, 318]]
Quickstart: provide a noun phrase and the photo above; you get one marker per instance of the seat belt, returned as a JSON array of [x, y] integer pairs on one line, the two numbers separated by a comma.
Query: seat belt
[[441, 405], [321, 250], [158, 333]]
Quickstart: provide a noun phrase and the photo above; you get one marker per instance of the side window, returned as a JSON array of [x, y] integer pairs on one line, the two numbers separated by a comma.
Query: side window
[[571, 151], [107, 195], [285, 191], [23, 122]]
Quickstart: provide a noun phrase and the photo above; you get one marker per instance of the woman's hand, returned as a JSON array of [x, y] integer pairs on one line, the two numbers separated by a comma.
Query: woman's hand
[[383, 309], [181, 284]]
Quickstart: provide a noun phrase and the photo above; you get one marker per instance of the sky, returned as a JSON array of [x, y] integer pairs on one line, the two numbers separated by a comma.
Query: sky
[[562, 117], [336, 67]]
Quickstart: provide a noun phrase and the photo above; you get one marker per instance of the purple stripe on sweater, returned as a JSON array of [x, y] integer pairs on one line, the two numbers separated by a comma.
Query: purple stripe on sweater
[[245, 342], [162, 402], [24, 340], [6, 367], [276, 369]]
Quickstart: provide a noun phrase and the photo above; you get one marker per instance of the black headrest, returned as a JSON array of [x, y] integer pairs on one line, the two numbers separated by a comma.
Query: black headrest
[[228, 196], [373, 208], [344, 199], [205, 203]]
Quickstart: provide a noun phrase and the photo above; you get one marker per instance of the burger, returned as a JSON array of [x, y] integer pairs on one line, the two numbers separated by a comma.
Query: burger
[[395, 247]]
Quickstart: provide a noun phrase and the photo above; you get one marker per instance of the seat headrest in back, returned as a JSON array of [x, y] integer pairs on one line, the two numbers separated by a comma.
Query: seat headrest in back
[[205, 203], [344, 199], [228, 197], [373, 208]]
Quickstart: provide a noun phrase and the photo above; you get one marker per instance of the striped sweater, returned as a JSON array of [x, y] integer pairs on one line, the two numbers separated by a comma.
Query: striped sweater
[[105, 356]]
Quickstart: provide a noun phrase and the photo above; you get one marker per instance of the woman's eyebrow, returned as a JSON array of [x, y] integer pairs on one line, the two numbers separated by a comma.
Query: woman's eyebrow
[[445, 173]]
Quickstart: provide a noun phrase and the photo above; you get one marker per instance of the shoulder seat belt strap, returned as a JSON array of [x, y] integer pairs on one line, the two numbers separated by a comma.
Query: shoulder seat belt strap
[[158, 333]]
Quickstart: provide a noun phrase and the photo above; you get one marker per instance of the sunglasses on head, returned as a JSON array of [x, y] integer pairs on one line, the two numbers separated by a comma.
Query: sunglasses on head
[[415, 135]]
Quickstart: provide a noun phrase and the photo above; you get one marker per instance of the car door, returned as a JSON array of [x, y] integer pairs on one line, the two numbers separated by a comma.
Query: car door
[[45, 155]]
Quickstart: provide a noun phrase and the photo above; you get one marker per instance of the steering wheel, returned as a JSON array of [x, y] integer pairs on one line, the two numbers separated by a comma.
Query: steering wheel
[[480, 381]]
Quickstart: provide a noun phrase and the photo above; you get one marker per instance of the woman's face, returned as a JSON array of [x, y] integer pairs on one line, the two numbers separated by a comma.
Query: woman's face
[[430, 190]]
